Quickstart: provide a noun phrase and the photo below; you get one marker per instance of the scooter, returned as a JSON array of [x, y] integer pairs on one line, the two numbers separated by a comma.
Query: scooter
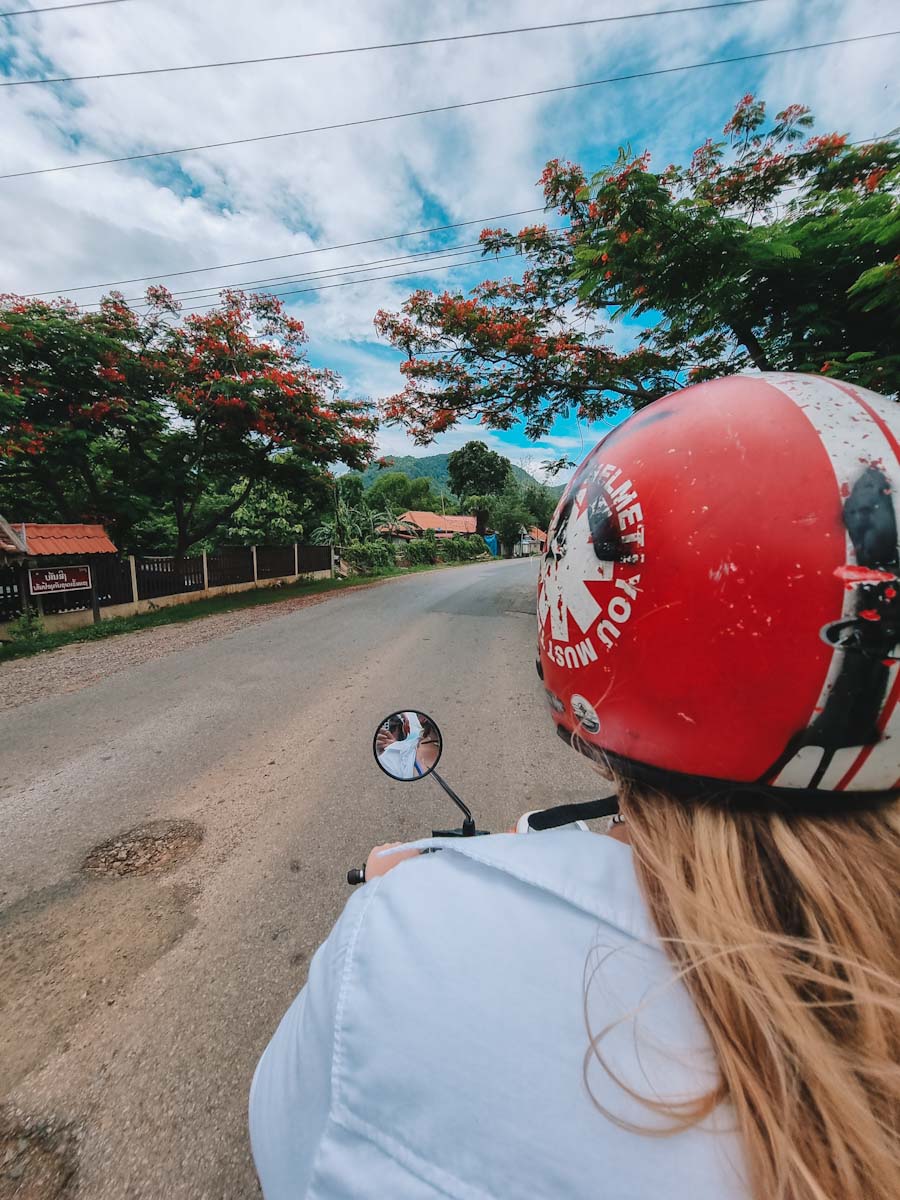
[[407, 746]]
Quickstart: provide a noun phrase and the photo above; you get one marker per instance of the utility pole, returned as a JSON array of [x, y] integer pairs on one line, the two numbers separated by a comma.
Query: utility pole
[[443, 513], [337, 515]]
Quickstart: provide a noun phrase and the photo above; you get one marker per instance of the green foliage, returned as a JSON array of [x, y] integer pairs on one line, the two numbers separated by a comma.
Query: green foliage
[[540, 502], [451, 550], [510, 518], [274, 513], [351, 489], [28, 627], [423, 550], [345, 522], [769, 250], [430, 549], [475, 468], [461, 549], [482, 509], [402, 493], [475, 546], [535, 502], [370, 557]]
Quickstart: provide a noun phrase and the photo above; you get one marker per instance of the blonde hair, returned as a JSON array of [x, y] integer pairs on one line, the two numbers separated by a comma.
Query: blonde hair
[[786, 932]]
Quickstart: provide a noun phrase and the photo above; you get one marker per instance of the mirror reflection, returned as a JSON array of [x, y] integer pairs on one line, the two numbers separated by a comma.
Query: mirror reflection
[[407, 745]]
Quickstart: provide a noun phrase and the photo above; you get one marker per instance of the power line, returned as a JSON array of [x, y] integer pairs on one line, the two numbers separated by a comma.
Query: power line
[[431, 41], [426, 257], [249, 262], [421, 112], [27, 12], [372, 279], [328, 272], [325, 273]]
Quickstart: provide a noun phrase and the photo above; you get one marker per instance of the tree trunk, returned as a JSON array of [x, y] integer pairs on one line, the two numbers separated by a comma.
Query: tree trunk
[[750, 342], [181, 547]]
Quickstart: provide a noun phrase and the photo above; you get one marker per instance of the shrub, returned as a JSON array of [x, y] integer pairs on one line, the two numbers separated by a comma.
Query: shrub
[[474, 546], [26, 628], [422, 550], [451, 550], [369, 557], [462, 549]]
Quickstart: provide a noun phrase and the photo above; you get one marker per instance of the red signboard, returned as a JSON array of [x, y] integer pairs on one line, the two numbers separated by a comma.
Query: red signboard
[[44, 580]]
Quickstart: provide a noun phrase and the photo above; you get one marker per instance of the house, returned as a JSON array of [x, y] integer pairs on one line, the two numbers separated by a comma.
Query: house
[[443, 526], [531, 541], [24, 545], [414, 523]]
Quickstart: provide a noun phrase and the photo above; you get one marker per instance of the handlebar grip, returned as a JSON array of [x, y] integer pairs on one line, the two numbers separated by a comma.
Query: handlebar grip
[[356, 875]]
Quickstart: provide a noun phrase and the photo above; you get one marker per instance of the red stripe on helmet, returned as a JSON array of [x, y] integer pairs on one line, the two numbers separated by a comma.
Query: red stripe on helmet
[[879, 421]]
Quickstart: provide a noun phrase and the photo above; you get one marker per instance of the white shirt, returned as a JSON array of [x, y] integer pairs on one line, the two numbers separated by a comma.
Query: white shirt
[[399, 758], [438, 1047]]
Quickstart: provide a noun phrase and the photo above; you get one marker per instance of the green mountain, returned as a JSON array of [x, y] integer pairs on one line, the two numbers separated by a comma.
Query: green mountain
[[434, 467]]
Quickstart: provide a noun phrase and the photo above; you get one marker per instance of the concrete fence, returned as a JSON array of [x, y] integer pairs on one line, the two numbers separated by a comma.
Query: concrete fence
[[132, 585]]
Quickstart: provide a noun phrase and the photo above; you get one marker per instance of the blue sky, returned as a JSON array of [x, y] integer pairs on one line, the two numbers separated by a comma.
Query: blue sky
[[282, 197]]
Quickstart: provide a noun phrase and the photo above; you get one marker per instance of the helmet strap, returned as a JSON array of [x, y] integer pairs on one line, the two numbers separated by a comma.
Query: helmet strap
[[565, 814]]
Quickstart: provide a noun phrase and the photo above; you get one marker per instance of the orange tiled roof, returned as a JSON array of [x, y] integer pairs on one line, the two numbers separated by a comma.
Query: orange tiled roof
[[65, 539], [441, 524], [539, 535]]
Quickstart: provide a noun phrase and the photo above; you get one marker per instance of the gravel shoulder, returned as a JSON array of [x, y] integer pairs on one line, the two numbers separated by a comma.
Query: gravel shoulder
[[71, 668]]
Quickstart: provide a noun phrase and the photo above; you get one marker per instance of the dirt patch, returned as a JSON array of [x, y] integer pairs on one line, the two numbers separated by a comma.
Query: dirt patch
[[151, 848], [69, 954], [37, 1161]]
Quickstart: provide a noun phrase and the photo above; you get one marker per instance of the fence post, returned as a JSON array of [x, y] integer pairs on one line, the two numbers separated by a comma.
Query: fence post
[[332, 560], [205, 572], [134, 588], [255, 576], [296, 560], [22, 581]]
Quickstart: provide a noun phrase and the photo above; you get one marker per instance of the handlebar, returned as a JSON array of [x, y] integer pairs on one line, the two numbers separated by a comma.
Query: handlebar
[[357, 875]]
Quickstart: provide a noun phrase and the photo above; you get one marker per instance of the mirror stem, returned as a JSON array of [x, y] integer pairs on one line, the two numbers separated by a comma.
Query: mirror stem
[[468, 823]]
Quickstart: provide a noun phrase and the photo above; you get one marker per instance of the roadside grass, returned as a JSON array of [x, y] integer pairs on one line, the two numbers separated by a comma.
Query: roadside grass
[[194, 610]]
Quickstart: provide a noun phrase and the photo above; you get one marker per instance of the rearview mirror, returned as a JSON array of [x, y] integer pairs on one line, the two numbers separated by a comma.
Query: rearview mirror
[[407, 745]]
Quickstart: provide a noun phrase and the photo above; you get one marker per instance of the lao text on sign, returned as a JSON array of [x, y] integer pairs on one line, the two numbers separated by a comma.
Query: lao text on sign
[[42, 581]]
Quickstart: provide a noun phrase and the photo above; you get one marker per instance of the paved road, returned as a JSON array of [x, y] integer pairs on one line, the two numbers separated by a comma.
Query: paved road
[[135, 1008]]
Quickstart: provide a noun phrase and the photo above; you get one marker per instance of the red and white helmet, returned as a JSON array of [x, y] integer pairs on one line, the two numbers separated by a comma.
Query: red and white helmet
[[720, 599]]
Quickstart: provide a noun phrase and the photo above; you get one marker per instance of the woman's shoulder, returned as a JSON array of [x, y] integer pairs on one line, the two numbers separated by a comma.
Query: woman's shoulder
[[591, 874]]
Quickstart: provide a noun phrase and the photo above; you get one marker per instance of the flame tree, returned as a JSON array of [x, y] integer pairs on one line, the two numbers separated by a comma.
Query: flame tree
[[160, 421], [771, 249]]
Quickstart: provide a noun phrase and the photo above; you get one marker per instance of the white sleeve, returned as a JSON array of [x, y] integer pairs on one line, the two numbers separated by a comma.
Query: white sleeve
[[290, 1097]]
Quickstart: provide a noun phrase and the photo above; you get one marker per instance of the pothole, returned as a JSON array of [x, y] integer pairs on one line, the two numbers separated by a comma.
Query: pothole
[[156, 846], [37, 1161]]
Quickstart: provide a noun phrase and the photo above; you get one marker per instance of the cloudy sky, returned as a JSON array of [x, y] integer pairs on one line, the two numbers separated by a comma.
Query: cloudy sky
[[60, 231]]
